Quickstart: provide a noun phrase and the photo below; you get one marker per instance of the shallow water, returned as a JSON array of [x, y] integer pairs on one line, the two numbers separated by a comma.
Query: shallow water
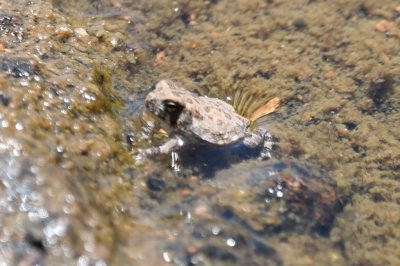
[[73, 76]]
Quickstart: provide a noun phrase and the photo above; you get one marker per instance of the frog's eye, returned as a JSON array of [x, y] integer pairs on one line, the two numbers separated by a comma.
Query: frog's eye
[[172, 110], [170, 106]]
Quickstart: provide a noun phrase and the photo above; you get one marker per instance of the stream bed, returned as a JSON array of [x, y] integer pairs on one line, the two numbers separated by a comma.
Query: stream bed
[[75, 190]]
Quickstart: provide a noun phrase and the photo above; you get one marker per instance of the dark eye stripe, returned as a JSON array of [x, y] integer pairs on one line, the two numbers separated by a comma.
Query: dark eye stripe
[[173, 110]]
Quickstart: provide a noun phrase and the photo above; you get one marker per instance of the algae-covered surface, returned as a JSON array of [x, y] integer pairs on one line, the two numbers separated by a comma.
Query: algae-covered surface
[[76, 190]]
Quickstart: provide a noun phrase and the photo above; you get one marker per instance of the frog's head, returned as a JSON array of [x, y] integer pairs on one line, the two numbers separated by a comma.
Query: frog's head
[[166, 101]]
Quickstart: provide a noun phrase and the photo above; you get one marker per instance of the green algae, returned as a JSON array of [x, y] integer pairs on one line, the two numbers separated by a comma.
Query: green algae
[[102, 79]]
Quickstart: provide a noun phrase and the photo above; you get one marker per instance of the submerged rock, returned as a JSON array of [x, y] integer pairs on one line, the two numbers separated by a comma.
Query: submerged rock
[[278, 196]]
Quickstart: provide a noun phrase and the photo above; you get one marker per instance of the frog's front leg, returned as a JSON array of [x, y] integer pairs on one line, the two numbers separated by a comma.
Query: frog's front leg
[[172, 144]]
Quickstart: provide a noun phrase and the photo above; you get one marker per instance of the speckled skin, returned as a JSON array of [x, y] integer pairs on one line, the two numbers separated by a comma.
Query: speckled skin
[[198, 118]]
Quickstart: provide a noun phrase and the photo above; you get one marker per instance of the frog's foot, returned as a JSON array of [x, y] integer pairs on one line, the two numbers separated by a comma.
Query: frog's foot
[[255, 139], [166, 148], [267, 147], [268, 141], [260, 138]]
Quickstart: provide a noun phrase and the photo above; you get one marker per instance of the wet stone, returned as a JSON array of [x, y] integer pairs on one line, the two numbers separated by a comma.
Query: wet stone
[[219, 255], [130, 139], [4, 100], [155, 184], [299, 24], [265, 74], [379, 91], [350, 126], [18, 67], [308, 196], [7, 23], [363, 10], [221, 244], [35, 243], [359, 149]]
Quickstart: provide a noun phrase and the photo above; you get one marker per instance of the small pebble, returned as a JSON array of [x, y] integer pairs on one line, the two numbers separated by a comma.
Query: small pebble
[[193, 249], [126, 18], [155, 184], [116, 3], [201, 210], [386, 26], [330, 74], [63, 32], [81, 33], [382, 25], [350, 126], [308, 117], [299, 24], [193, 180], [160, 58], [192, 18], [186, 193], [300, 97]]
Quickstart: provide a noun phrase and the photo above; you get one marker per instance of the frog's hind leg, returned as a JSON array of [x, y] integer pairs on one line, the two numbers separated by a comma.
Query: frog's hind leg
[[261, 138], [255, 139], [266, 152]]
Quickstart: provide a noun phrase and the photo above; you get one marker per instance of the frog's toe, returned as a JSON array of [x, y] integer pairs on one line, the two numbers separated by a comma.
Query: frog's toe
[[254, 139]]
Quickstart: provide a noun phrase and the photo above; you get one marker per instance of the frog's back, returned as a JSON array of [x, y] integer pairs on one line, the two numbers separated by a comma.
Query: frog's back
[[216, 122]]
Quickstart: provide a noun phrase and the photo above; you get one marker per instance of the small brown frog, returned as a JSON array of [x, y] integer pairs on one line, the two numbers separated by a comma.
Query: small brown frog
[[190, 119]]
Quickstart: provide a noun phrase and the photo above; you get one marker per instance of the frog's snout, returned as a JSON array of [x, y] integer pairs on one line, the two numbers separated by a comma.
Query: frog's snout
[[155, 109]]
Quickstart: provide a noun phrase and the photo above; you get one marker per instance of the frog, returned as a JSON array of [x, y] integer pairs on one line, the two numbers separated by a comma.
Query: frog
[[191, 119]]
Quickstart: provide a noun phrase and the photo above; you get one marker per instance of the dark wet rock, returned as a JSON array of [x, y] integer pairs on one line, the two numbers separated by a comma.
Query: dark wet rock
[[379, 91], [358, 82], [299, 24], [363, 10], [36, 226], [185, 17], [36, 243], [155, 184], [266, 251], [18, 67], [234, 214], [218, 255], [130, 139], [18, 193], [265, 74], [197, 77], [59, 141], [220, 244], [350, 126], [233, 246], [4, 100], [8, 22], [306, 198]]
